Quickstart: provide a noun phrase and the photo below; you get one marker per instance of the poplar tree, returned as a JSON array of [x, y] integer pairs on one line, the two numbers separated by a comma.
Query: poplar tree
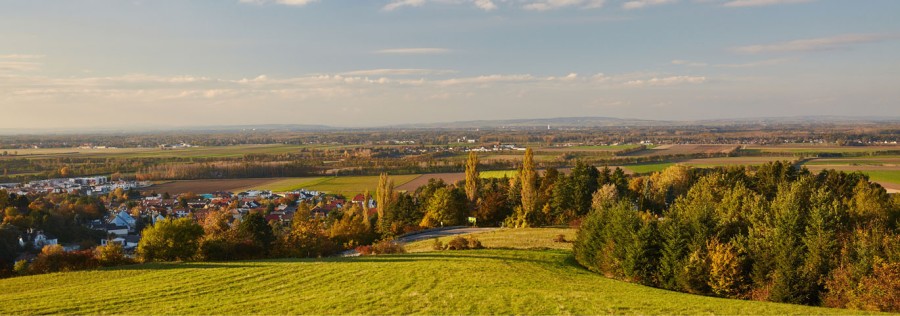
[[528, 179], [473, 182], [384, 195]]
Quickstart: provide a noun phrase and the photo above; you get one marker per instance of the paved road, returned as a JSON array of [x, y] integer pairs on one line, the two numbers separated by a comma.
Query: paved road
[[431, 233], [450, 231]]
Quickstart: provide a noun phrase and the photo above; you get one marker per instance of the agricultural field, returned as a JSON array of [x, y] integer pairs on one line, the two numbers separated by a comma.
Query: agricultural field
[[489, 281], [666, 150], [207, 186], [284, 184], [818, 148], [353, 184], [337, 185], [703, 163], [421, 180], [192, 152]]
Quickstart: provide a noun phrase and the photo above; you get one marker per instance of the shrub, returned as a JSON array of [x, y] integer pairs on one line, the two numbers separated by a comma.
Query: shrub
[[385, 247], [111, 255], [21, 267], [560, 238], [437, 245], [458, 243], [364, 250], [475, 243], [463, 243], [54, 259]]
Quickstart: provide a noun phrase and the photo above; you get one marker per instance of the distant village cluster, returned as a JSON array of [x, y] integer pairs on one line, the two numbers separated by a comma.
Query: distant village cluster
[[90, 186], [125, 221]]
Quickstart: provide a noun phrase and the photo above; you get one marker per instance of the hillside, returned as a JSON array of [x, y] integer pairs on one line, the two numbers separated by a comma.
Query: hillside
[[496, 281]]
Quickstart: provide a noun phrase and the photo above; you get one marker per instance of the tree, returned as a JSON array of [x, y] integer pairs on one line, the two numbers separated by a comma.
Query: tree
[[255, 227], [9, 246], [473, 180], [446, 208], [528, 179], [384, 197], [170, 240]]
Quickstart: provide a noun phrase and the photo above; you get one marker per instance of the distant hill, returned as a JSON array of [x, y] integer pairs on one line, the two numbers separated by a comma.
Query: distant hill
[[588, 122]]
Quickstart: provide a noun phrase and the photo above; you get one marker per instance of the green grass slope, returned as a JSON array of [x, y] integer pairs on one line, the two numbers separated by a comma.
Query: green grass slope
[[449, 282]]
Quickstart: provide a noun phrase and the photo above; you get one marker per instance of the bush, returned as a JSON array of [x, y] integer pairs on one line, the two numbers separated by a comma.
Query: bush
[[437, 245], [226, 249], [463, 243], [21, 267], [55, 259], [475, 243], [364, 250], [386, 247], [560, 238], [111, 255], [458, 243]]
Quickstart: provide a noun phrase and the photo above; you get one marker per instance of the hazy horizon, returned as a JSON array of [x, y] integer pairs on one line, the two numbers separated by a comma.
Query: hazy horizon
[[129, 64]]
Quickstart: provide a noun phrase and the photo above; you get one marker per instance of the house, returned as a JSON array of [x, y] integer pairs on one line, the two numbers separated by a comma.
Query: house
[[117, 230], [128, 242], [124, 219], [41, 240]]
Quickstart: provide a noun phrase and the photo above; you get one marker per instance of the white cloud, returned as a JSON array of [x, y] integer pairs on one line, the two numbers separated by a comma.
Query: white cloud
[[486, 5], [398, 72], [20, 63], [666, 81], [544, 5], [757, 3], [816, 44], [640, 4], [760, 63], [413, 51], [689, 63], [403, 3], [296, 3]]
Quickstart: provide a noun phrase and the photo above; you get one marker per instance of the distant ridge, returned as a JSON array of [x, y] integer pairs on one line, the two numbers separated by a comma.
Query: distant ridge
[[587, 122], [533, 123]]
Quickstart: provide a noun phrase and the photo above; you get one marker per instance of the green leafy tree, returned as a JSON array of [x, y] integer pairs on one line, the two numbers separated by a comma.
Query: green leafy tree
[[255, 227], [170, 240]]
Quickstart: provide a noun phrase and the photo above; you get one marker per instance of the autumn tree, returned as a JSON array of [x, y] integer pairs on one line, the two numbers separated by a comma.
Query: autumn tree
[[528, 180], [384, 198], [473, 181], [170, 240]]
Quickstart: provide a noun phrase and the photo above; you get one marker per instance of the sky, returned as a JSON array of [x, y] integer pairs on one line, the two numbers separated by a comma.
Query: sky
[[365, 63]]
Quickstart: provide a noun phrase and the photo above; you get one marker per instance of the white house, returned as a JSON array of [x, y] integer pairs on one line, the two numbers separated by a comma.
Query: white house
[[41, 240], [124, 219]]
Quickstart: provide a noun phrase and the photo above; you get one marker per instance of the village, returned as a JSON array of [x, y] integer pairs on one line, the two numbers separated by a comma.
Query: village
[[126, 219]]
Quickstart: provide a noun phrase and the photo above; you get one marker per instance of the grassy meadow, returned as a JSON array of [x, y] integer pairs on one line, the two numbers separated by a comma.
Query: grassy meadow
[[492, 281]]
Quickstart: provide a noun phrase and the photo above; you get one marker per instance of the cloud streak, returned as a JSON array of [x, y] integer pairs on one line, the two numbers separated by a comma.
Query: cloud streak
[[759, 3], [295, 3], [815, 44], [413, 51]]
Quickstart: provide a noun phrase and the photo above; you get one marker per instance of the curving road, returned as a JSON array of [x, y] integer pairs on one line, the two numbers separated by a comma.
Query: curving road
[[449, 231], [431, 233]]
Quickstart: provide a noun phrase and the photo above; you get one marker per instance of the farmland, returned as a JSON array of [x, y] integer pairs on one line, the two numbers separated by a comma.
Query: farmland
[[492, 281], [206, 186]]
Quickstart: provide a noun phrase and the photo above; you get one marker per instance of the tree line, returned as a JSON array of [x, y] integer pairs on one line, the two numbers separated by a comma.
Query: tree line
[[773, 233]]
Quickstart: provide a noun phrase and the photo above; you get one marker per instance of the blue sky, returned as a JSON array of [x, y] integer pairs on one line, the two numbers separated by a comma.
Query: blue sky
[[105, 63]]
